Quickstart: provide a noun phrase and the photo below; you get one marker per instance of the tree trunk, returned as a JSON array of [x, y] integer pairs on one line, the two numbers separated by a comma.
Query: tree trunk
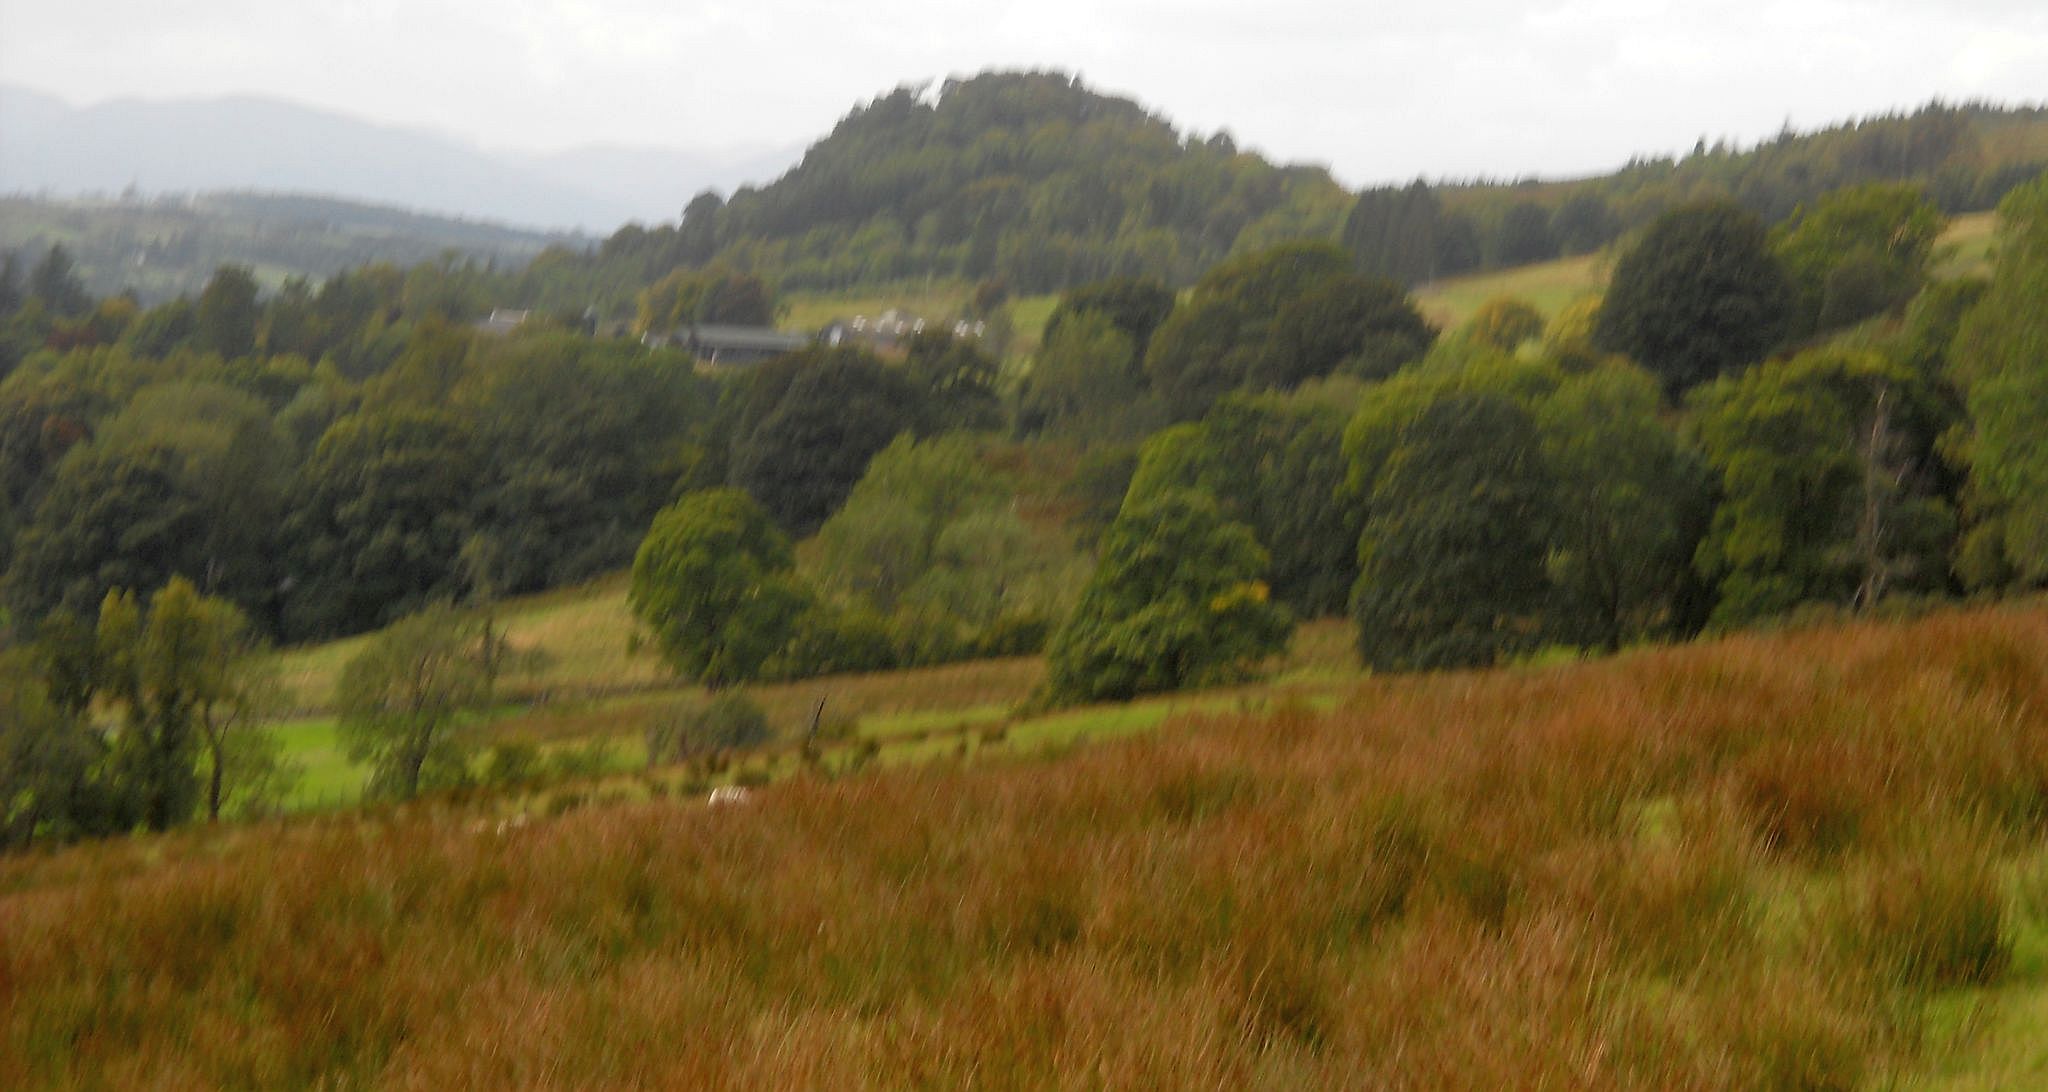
[[214, 783]]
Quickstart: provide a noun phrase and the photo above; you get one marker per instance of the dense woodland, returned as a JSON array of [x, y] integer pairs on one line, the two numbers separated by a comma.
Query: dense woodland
[[1964, 158], [1762, 417]]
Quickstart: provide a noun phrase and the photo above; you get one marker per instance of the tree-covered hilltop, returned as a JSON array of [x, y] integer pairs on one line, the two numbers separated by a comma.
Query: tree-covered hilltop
[[1027, 176]]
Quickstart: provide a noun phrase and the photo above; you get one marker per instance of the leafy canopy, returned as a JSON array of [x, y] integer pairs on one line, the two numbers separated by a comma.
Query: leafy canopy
[[713, 584], [1857, 251], [401, 697], [2000, 358], [1178, 600], [1458, 505], [1825, 498], [1272, 319], [1698, 295]]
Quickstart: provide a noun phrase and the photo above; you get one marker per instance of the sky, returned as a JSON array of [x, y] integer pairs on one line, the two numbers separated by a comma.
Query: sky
[[1378, 92]]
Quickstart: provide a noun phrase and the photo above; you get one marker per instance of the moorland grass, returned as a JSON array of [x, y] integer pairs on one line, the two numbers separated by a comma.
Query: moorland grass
[[1747, 863]]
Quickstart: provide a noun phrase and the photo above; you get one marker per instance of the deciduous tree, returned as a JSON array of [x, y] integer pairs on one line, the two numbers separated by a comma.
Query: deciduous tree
[[1274, 318], [1630, 504], [381, 513], [1698, 295], [402, 696], [1276, 464], [226, 319], [1857, 251], [1458, 505], [1999, 363], [1824, 496], [811, 423], [1084, 383], [1178, 600], [47, 758], [713, 583], [180, 673]]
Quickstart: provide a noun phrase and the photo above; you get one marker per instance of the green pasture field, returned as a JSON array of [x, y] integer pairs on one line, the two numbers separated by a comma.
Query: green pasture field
[[1548, 286], [583, 683]]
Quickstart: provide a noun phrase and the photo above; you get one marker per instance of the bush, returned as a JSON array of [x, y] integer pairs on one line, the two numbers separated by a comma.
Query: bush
[[831, 640], [512, 763], [587, 759], [1014, 635], [728, 722]]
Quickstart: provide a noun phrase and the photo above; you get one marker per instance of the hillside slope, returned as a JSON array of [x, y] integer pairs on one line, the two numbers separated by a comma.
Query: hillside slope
[[1741, 864], [1963, 250]]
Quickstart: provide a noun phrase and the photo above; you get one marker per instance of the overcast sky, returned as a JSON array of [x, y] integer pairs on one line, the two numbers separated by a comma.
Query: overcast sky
[[1377, 91]]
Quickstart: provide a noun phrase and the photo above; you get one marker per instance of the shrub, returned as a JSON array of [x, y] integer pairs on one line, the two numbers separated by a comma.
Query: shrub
[[512, 763], [832, 640], [1014, 635], [728, 722], [587, 759]]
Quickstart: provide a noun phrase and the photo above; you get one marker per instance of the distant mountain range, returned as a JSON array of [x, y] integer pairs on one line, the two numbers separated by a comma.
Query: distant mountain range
[[247, 143]]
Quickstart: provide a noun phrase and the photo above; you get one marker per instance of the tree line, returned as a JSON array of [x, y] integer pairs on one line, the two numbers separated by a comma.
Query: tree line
[[1963, 158], [1750, 423]]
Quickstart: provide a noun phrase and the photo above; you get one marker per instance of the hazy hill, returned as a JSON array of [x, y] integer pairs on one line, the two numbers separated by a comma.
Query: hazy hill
[[163, 247], [249, 143]]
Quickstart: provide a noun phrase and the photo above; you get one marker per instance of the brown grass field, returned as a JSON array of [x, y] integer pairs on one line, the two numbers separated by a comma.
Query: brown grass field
[[1771, 861]]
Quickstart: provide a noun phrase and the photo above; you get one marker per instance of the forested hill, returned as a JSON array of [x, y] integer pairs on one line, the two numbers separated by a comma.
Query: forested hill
[[1965, 158], [1030, 177], [1036, 180]]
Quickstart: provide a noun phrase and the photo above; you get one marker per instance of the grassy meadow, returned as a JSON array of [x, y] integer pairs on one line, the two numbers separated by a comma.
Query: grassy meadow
[[1547, 286], [1965, 248], [585, 686], [1798, 860]]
